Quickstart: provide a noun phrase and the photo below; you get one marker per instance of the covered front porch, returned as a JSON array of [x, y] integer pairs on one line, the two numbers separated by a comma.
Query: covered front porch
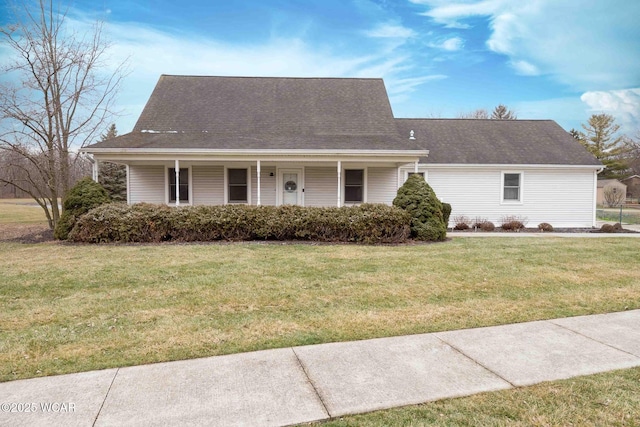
[[305, 181]]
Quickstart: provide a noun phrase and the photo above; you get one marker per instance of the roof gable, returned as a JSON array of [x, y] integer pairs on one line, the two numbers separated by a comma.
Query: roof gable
[[267, 106], [265, 113], [475, 141]]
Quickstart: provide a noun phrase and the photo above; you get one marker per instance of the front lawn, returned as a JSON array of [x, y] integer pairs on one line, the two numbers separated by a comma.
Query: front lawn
[[608, 399], [72, 308]]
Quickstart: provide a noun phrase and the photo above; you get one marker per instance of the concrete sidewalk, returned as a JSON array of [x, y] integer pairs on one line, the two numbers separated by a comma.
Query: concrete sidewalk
[[303, 384]]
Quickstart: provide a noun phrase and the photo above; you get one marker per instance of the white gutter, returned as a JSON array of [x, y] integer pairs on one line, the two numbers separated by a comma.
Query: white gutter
[[278, 152], [507, 165], [94, 167]]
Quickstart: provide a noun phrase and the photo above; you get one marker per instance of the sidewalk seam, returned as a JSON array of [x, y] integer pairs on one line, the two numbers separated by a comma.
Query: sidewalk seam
[[475, 361], [592, 339], [95, 420], [311, 382]]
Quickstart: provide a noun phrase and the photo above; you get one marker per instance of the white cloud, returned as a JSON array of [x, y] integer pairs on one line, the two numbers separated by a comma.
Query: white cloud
[[400, 89], [391, 31], [452, 44], [152, 52], [585, 46], [624, 105], [524, 68], [450, 13]]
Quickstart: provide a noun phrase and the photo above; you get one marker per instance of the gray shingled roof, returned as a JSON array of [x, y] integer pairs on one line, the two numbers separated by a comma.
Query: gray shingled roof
[[519, 142], [265, 113]]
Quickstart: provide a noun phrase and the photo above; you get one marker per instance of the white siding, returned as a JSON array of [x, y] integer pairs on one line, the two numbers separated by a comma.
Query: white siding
[[208, 185], [563, 198], [382, 185], [320, 186], [267, 185], [147, 184]]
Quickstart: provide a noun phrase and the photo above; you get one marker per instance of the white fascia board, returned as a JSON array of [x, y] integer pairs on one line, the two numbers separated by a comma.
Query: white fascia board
[[505, 166], [263, 155], [258, 152]]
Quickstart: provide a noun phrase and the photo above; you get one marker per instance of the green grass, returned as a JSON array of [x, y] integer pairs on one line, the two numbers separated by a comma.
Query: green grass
[[21, 211], [77, 308], [608, 399]]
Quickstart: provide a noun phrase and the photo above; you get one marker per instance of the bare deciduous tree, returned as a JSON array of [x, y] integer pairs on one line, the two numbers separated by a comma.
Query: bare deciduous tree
[[614, 196], [632, 145], [61, 96], [480, 113]]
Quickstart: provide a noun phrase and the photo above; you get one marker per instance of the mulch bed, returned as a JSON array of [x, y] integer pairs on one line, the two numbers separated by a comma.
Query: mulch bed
[[25, 233], [555, 230]]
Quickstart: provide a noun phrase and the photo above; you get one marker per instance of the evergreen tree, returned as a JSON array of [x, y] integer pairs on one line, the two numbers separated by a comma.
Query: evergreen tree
[[575, 134], [501, 112], [599, 137], [113, 176]]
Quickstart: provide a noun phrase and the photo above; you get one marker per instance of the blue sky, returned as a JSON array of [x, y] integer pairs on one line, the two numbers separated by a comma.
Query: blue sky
[[545, 59]]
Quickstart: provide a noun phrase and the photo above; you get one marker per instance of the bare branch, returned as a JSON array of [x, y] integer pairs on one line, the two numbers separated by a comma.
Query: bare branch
[[62, 99]]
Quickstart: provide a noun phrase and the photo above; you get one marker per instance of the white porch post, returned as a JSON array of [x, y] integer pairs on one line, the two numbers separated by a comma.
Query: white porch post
[[258, 189], [94, 170], [177, 167], [128, 185], [415, 167], [339, 182]]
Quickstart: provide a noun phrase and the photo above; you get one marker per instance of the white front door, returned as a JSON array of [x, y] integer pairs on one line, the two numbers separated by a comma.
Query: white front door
[[290, 187]]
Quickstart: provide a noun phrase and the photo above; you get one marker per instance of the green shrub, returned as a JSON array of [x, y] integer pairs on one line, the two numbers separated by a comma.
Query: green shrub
[[84, 196], [419, 200], [446, 213], [367, 223]]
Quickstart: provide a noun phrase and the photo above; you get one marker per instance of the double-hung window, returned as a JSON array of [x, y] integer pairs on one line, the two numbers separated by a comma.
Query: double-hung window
[[182, 187], [354, 185], [512, 187], [237, 186]]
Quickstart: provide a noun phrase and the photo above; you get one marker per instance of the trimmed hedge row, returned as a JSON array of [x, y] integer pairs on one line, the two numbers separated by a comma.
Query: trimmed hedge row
[[367, 223]]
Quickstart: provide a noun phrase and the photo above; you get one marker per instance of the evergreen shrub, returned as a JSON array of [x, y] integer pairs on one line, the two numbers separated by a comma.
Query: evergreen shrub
[[82, 197], [418, 199]]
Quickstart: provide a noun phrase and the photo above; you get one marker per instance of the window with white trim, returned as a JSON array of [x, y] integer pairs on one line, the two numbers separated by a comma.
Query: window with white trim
[[353, 185], [182, 188], [512, 187], [237, 186]]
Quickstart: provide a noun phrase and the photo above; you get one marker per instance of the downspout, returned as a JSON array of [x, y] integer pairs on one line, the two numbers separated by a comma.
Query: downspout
[[94, 167], [595, 194], [128, 185]]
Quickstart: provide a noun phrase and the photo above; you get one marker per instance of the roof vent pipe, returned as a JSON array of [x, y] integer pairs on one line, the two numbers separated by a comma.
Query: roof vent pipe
[[411, 135]]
